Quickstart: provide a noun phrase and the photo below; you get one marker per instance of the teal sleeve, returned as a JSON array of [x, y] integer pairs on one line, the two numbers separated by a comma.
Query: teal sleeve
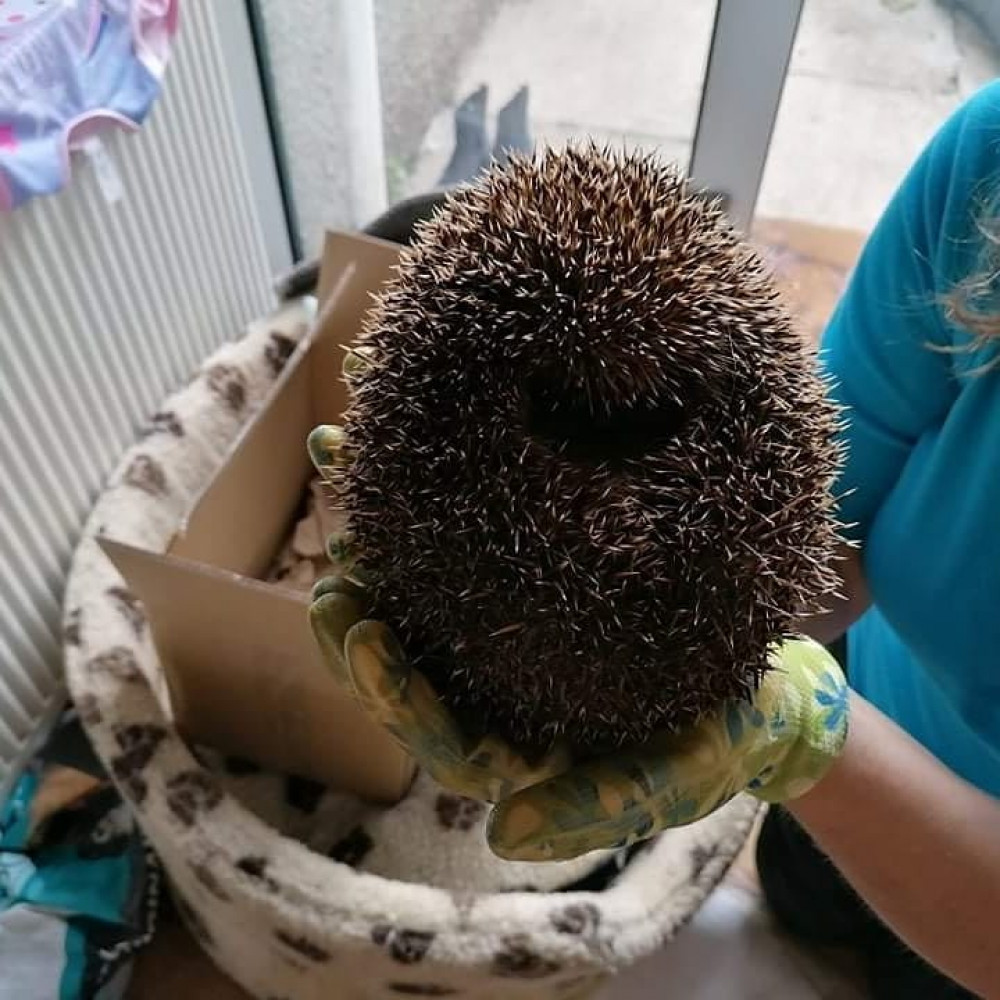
[[888, 347]]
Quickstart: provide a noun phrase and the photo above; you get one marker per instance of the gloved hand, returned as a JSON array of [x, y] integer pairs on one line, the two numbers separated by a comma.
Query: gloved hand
[[368, 660], [776, 747]]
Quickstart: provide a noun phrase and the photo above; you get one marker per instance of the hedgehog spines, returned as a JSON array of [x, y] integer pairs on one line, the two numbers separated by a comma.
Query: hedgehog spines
[[593, 459]]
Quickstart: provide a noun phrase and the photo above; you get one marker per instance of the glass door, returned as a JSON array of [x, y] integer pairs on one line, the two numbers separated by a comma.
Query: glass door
[[515, 72], [868, 84]]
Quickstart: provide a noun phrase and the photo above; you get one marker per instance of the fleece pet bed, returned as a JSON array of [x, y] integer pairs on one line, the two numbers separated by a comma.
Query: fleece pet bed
[[299, 892]]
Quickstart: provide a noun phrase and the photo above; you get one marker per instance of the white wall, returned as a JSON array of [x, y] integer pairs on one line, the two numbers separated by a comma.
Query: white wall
[[325, 85], [318, 67]]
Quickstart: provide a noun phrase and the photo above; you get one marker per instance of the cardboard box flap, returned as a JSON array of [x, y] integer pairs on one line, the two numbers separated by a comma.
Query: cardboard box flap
[[243, 670], [251, 665], [354, 269], [371, 258], [239, 519]]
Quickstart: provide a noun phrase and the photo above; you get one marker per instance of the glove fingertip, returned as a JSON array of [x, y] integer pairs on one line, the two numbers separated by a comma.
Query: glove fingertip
[[354, 364], [329, 585], [376, 658], [331, 616], [515, 829], [340, 549], [324, 445], [333, 613]]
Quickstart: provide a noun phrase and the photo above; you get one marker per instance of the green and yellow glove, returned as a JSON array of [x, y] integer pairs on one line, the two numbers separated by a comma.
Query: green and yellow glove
[[368, 660], [776, 747]]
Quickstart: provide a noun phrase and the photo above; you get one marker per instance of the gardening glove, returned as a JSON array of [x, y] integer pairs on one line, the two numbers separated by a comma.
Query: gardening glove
[[776, 746], [367, 660]]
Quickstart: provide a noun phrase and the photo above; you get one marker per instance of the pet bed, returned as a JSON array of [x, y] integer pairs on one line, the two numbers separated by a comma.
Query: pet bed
[[298, 892]]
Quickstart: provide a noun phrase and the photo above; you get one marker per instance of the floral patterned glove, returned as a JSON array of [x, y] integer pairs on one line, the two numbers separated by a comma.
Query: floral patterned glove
[[775, 747], [367, 659]]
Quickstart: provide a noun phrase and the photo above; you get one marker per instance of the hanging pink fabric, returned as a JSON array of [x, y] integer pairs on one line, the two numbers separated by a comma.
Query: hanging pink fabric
[[69, 68]]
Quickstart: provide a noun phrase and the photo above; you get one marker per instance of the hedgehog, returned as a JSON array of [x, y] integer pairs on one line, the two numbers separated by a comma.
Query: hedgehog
[[591, 459]]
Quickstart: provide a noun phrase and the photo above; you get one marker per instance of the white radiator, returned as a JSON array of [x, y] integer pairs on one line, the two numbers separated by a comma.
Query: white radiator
[[107, 307]]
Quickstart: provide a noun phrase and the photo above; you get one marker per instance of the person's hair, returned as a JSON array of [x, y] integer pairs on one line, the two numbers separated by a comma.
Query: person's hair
[[972, 302]]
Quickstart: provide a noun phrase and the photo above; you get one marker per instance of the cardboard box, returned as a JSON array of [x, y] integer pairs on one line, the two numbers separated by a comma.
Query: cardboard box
[[243, 671]]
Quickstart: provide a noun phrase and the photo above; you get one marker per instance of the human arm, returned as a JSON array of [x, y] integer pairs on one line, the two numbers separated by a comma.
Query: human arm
[[891, 358], [847, 605], [918, 843]]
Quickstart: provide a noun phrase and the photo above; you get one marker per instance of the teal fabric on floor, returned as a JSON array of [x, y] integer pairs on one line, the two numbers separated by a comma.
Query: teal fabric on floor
[[78, 887]]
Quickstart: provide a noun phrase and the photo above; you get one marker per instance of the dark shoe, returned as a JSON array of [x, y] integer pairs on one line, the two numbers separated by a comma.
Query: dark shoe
[[471, 154], [513, 134]]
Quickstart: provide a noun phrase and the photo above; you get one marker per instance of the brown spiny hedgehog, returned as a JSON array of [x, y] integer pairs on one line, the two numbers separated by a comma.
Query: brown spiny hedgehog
[[591, 457]]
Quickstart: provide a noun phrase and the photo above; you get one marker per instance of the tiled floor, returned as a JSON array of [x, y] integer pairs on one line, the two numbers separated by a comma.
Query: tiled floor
[[732, 951], [870, 80]]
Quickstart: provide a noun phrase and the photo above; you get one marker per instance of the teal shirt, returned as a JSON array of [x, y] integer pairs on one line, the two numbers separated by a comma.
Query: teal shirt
[[921, 485]]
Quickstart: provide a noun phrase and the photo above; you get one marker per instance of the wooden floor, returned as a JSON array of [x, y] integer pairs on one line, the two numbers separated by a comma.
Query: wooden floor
[[811, 264]]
